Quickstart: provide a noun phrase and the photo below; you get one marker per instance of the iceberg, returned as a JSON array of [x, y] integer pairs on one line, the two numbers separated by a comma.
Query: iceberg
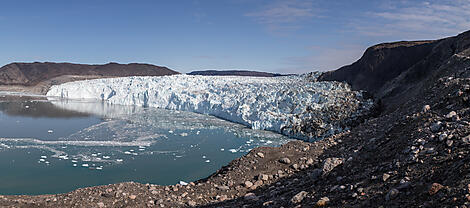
[[297, 105]]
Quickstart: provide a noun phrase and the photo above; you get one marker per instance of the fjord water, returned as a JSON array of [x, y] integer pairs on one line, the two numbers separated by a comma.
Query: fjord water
[[56, 146]]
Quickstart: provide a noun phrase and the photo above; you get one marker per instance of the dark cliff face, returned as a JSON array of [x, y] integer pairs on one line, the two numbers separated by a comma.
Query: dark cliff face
[[30, 74], [235, 73], [393, 72], [380, 64]]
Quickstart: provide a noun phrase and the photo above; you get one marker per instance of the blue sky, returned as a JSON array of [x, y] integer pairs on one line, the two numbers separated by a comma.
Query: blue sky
[[289, 36]]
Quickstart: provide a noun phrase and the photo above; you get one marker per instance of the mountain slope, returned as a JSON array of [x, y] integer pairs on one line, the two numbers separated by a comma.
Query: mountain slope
[[30, 74], [395, 72]]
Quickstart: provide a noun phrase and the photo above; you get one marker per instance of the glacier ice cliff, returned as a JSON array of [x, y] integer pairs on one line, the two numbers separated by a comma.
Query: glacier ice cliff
[[297, 105]]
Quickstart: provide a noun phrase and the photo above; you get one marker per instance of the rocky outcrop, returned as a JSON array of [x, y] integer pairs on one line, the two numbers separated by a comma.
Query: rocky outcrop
[[235, 73], [30, 74]]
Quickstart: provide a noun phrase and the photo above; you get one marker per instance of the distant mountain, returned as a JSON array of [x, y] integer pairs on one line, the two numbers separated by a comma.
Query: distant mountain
[[31, 74], [235, 73]]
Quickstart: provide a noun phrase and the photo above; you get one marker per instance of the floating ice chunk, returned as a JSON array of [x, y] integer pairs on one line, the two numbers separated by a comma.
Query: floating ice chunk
[[233, 150], [94, 155], [50, 131], [204, 157], [74, 161], [178, 156], [85, 165], [127, 153], [47, 162], [74, 165], [222, 149], [119, 160], [269, 142], [43, 156], [141, 149], [184, 134], [171, 132], [134, 153], [99, 168], [106, 157], [198, 132], [42, 160], [208, 161], [183, 183], [27, 106]]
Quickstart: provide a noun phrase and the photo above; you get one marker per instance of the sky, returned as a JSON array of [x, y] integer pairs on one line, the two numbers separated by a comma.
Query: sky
[[283, 36]]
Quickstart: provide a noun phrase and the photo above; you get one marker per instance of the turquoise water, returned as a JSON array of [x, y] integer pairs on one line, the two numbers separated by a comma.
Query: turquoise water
[[55, 146]]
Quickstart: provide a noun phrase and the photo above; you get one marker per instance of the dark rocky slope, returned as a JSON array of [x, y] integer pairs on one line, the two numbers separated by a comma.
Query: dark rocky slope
[[235, 73], [416, 154], [395, 72]]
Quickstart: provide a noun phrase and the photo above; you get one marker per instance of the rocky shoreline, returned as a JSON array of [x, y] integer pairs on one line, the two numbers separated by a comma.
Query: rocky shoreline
[[415, 153]]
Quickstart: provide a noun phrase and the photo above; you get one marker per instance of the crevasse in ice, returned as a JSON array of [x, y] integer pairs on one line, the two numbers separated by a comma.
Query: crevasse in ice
[[295, 105]]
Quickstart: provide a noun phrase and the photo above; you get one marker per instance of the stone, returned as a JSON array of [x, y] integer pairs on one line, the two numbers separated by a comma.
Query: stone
[[100, 204], [323, 202], [298, 197], [385, 177], [248, 184], [449, 143], [260, 154], [295, 166], [442, 137], [132, 196], [263, 177], [315, 173], [221, 197], [284, 160], [223, 188], [435, 187], [192, 203], [404, 185], [435, 127], [451, 115], [392, 194], [309, 161], [330, 164], [426, 108], [466, 139], [258, 183], [250, 196]]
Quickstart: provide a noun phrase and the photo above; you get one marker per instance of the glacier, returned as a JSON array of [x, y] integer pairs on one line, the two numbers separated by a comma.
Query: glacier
[[297, 105]]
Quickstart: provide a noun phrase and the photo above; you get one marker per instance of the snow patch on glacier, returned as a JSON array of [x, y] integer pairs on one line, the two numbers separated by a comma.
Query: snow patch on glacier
[[293, 105]]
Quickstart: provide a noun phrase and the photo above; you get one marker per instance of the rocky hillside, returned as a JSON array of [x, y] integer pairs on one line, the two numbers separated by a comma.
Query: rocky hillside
[[235, 73], [395, 72], [30, 74]]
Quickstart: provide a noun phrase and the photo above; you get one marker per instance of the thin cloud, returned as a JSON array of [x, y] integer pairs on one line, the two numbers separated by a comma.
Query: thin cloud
[[417, 20], [284, 15]]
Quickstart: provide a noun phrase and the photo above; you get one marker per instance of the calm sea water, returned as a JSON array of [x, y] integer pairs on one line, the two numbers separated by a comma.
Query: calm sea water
[[55, 146]]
